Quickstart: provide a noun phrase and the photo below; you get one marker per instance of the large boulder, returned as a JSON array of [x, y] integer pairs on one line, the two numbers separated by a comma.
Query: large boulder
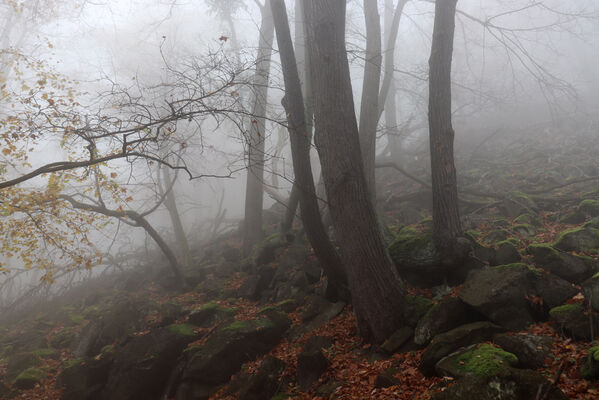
[[531, 350], [573, 321], [265, 383], [509, 384], [590, 368], [142, 367], [570, 267], [553, 290], [415, 257], [113, 325], [499, 293], [506, 253], [475, 360], [449, 313], [590, 288], [311, 362], [84, 378], [579, 239], [446, 343], [212, 364]]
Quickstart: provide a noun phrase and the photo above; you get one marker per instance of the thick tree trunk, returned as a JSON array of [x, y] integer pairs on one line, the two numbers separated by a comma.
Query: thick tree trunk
[[376, 289], [300, 151], [369, 106], [446, 217], [254, 195]]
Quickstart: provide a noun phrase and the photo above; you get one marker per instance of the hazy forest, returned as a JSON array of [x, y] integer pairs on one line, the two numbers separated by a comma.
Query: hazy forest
[[301, 199]]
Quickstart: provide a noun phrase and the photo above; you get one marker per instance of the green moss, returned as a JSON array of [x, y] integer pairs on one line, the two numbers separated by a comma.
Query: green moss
[[524, 229], [485, 360], [44, 353], [566, 309], [73, 363], [420, 305], [31, 374], [249, 325], [109, 348], [182, 329], [590, 368], [513, 241], [528, 219], [590, 207], [413, 248], [280, 306], [472, 234]]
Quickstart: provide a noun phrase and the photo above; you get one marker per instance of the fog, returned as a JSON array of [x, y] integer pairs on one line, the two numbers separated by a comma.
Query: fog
[[527, 65]]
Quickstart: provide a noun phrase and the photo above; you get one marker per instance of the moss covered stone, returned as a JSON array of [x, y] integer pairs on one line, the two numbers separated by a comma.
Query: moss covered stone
[[589, 207], [584, 238], [590, 368], [182, 329], [29, 378], [566, 309], [525, 230], [529, 219], [249, 325], [413, 252], [477, 360]]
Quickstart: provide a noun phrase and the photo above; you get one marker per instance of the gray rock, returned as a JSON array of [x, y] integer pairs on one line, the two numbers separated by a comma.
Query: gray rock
[[531, 350], [499, 294]]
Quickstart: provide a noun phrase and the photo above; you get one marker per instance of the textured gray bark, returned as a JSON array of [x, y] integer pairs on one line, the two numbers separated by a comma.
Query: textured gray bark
[[254, 195], [376, 289], [446, 216], [300, 149]]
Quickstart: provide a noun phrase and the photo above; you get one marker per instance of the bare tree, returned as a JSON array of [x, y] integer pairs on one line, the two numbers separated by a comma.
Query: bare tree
[[376, 289]]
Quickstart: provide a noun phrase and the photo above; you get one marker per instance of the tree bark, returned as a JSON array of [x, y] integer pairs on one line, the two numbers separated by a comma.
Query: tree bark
[[300, 150], [446, 216], [369, 106], [254, 195], [170, 201], [376, 289]]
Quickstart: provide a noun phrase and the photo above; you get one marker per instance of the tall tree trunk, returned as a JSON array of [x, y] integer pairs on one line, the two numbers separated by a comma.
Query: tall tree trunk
[[369, 106], [300, 150], [391, 27], [376, 289], [170, 201], [446, 216], [303, 65], [254, 195]]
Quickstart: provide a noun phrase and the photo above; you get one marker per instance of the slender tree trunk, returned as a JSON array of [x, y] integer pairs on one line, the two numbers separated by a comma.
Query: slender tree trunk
[[254, 196], [446, 216], [300, 150], [369, 106], [391, 27], [170, 201], [376, 289], [303, 65]]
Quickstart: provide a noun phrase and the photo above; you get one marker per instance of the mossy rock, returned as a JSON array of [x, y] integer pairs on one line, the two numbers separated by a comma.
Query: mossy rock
[[19, 362], [570, 267], [63, 338], [529, 219], [589, 207], [581, 239], [477, 360], [501, 223], [525, 230], [573, 321], [415, 256], [496, 235], [182, 329], [590, 368], [506, 253], [417, 307], [29, 378], [518, 203], [288, 305], [508, 384]]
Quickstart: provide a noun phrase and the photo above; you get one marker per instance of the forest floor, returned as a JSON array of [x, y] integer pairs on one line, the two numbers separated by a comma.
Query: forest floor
[[354, 366]]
